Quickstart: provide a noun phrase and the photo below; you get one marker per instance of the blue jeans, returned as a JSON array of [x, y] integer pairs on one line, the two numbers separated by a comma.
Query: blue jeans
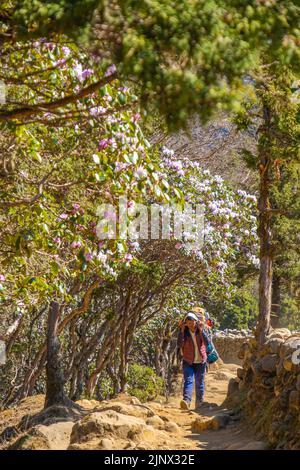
[[191, 372]]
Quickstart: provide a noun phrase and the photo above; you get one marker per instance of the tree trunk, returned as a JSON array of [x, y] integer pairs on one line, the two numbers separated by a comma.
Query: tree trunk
[[123, 365], [115, 379], [79, 384], [275, 315], [108, 346], [265, 237], [157, 356], [54, 378], [265, 291]]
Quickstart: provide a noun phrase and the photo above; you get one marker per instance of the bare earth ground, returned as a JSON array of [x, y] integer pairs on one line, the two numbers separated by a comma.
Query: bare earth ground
[[235, 435]]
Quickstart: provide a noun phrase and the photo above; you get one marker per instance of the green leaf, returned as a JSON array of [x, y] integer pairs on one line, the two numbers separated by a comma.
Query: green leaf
[[100, 178], [18, 244], [54, 268], [103, 90], [122, 98], [46, 228], [133, 158], [84, 266], [157, 191], [96, 158], [37, 156], [178, 193]]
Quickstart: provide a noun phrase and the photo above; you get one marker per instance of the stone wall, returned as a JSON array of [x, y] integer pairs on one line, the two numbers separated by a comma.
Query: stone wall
[[228, 344], [268, 387]]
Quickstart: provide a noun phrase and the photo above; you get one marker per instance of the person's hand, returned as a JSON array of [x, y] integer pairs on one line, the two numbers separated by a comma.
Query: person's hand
[[181, 323]]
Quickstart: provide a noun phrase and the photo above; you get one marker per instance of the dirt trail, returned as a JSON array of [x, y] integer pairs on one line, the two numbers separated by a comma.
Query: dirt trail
[[213, 428], [235, 435]]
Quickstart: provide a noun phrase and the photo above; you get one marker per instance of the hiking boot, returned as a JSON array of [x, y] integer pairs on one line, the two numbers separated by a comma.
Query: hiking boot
[[199, 404], [184, 405]]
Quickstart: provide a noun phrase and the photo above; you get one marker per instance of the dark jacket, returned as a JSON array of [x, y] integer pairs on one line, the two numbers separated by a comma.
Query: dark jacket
[[186, 343]]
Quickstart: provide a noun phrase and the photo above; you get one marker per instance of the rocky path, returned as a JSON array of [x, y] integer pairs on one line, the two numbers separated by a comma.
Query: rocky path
[[125, 423], [215, 427]]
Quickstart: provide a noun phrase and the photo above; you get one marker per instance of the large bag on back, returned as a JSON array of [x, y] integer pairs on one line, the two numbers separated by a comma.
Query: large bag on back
[[212, 354]]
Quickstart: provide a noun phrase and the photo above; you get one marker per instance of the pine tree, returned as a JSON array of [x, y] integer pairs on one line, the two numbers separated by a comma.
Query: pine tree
[[275, 115]]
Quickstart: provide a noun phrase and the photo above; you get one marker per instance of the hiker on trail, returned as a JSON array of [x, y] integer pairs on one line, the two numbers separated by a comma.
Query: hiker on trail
[[192, 341]]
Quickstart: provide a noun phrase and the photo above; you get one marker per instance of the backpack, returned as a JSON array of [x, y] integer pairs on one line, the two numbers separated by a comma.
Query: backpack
[[212, 354]]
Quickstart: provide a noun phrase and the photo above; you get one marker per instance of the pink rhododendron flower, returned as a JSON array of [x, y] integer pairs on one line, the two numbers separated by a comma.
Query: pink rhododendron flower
[[119, 166], [110, 215], [66, 51], [111, 70], [78, 71], [136, 117], [177, 165], [103, 144], [134, 245], [167, 151], [50, 46], [102, 257], [97, 110], [59, 62], [82, 74], [141, 172], [76, 244], [87, 73]]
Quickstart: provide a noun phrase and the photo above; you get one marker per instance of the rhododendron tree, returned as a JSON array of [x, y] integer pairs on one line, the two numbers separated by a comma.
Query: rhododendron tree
[[78, 163], [62, 165], [73, 147]]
